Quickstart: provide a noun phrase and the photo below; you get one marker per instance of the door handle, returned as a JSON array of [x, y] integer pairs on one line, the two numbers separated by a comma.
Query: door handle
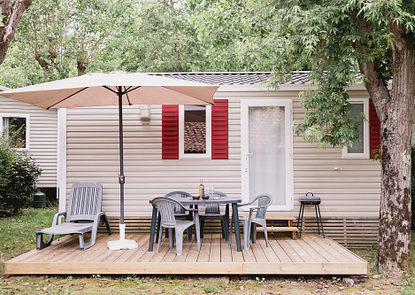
[[247, 155]]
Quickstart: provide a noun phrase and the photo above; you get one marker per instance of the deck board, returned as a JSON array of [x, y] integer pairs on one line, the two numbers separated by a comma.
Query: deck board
[[310, 255], [215, 248], [140, 251], [227, 253], [205, 248], [318, 257], [292, 254], [269, 253], [142, 241]]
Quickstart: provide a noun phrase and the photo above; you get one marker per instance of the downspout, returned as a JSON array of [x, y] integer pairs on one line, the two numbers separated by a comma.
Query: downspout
[[61, 160]]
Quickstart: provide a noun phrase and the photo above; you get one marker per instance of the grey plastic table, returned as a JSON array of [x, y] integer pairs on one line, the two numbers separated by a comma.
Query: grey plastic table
[[189, 201]]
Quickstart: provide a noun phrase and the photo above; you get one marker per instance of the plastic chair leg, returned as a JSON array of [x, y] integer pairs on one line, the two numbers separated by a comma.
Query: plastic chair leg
[[246, 235], [179, 242], [159, 239], [266, 237], [39, 241]]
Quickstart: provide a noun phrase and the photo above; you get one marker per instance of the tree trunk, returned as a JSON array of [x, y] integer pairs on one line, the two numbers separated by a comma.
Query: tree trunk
[[11, 20], [81, 66], [395, 110]]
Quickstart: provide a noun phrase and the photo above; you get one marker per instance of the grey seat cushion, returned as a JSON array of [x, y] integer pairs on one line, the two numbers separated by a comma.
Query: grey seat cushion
[[68, 228]]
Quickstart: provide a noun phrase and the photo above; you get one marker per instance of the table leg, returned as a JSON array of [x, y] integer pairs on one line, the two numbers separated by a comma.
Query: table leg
[[236, 223], [152, 229], [189, 230]]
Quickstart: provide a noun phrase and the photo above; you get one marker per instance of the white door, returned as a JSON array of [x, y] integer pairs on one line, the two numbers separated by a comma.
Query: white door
[[267, 150]]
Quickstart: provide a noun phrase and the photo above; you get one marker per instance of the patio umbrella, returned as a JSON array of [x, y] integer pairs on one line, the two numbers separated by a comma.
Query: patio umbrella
[[115, 88]]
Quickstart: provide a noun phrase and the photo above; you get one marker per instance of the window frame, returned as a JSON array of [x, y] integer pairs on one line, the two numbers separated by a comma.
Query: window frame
[[13, 115], [208, 154], [366, 132]]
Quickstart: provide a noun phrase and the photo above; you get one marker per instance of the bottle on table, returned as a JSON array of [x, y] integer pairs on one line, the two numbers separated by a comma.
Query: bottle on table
[[201, 188]]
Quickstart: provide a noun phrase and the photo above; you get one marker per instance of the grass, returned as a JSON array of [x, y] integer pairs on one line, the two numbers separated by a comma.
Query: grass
[[17, 233], [17, 236]]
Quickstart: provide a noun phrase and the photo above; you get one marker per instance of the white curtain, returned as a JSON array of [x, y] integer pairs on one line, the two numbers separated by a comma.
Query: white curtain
[[267, 146]]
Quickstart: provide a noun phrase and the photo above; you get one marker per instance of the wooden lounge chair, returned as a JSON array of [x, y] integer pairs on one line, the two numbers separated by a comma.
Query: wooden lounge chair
[[84, 215]]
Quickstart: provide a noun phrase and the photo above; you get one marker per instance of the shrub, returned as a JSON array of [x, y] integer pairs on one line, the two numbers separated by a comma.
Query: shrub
[[18, 175]]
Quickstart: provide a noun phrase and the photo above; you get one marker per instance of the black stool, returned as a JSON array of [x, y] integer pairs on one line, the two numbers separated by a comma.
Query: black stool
[[310, 200]]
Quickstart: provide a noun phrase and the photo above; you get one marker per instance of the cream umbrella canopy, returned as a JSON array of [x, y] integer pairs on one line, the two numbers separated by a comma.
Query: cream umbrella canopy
[[116, 88]]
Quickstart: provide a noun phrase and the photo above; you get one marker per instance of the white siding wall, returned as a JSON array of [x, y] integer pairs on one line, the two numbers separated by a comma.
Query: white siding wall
[[43, 136], [93, 155]]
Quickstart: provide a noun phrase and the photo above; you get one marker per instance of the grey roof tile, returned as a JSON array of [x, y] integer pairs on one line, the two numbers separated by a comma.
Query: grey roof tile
[[244, 78]]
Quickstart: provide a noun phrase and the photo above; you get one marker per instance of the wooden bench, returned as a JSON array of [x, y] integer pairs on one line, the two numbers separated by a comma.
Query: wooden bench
[[287, 227]]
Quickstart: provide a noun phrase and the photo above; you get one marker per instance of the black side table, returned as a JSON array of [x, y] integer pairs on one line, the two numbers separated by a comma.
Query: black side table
[[310, 200]]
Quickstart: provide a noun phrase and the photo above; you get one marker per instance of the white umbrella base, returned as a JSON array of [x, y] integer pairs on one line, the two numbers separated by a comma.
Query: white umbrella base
[[122, 243]]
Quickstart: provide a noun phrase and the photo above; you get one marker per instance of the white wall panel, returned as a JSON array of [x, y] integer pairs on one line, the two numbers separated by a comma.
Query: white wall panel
[[43, 136], [93, 155]]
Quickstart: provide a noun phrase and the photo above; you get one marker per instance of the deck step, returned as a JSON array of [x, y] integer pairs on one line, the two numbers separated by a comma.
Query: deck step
[[282, 224], [282, 218], [278, 229], [289, 229]]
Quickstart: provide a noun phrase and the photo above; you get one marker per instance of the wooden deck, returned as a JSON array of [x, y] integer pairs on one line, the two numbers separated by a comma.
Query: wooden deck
[[310, 255]]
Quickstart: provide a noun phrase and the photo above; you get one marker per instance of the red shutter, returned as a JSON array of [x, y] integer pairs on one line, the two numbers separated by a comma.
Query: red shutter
[[170, 132], [220, 129], [374, 130]]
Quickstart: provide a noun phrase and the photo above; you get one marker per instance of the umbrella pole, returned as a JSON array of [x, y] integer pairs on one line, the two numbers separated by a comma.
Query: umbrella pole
[[122, 243], [121, 177]]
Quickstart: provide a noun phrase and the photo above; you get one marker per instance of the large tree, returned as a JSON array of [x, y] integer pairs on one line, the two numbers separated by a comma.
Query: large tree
[[342, 42], [11, 13]]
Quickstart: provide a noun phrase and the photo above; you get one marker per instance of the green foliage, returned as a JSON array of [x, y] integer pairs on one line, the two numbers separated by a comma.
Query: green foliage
[[327, 121], [329, 38], [238, 34], [162, 40], [18, 70], [18, 175], [58, 39]]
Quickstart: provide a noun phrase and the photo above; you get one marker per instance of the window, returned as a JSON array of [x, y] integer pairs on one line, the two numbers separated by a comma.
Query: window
[[213, 144], [194, 131], [359, 149], [16, 128]]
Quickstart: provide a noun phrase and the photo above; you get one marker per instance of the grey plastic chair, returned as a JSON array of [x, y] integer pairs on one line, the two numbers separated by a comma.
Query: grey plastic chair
[[179, 212], [212, 211], [166, 208], [262, 203], [84, 215]]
